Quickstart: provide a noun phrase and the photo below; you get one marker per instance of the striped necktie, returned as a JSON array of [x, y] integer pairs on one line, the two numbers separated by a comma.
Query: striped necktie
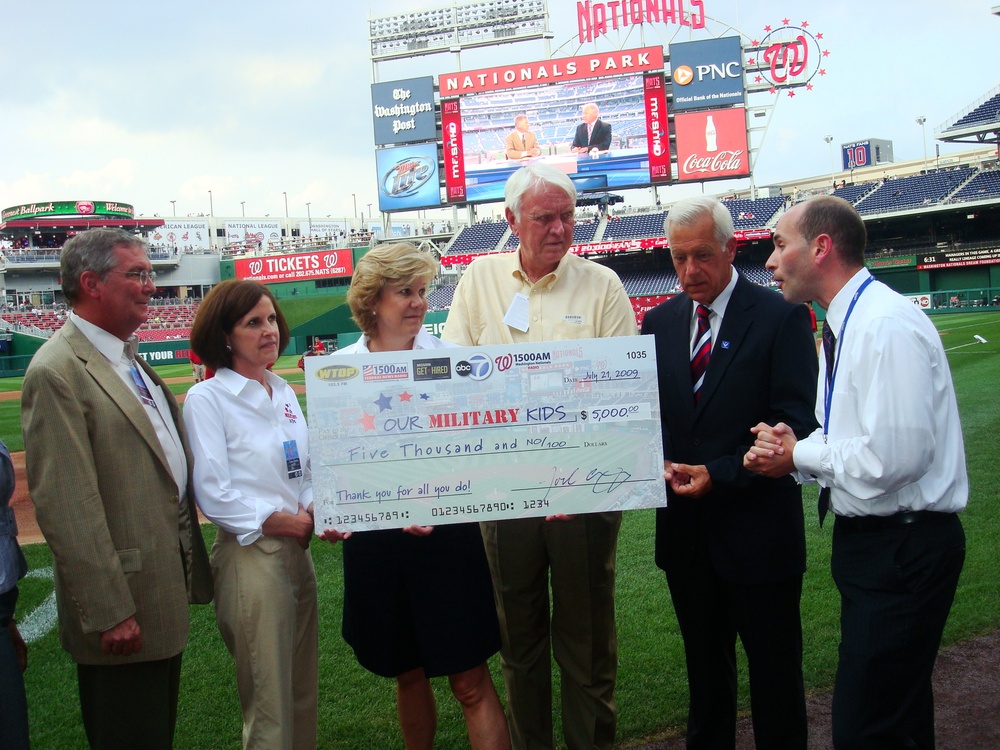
[[701, 352]]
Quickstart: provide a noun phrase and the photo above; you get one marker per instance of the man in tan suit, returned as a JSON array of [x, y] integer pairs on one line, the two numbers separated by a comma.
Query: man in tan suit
[[521, 143], [109, 472]]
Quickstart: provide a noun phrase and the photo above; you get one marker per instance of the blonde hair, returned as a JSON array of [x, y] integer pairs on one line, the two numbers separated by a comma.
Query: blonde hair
[[398, 264]]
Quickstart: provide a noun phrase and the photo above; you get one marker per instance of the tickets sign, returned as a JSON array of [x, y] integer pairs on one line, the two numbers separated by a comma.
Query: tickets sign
[[269, 269]]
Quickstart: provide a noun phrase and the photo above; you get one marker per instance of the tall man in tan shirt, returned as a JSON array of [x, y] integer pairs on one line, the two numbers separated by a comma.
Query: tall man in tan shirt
[[558, 296]]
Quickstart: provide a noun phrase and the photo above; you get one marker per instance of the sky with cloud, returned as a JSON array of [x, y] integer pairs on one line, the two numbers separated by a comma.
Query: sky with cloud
[[148, 103]]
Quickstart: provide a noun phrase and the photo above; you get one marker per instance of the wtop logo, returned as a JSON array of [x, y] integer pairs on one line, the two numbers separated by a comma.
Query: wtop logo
[[477, 367]]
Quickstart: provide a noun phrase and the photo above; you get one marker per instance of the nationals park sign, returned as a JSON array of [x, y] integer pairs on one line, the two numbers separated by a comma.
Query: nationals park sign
[[270, 269]]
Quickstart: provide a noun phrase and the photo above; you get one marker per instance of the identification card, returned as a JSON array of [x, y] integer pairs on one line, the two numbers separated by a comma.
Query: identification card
[[292, 463], [517, 314]]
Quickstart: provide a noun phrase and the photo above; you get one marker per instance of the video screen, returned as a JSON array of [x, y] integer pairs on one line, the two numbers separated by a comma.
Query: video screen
[[493, 147]]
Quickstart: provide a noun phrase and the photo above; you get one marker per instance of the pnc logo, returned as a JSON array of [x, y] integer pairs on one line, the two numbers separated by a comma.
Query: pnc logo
[[683, 75]]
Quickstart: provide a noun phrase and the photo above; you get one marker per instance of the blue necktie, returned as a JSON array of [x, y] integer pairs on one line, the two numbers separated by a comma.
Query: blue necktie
[[829, 350]]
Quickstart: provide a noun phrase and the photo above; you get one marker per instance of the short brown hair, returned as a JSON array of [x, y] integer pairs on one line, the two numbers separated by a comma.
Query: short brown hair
[[397, 264], [93, 250], [833, 216], [218, 314]]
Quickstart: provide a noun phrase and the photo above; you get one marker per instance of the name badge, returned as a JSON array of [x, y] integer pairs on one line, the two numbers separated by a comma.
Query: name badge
[[517, 314], [293, 465]]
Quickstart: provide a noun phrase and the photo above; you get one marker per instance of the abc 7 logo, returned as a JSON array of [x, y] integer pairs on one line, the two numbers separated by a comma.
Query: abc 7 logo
[[256, 266], [477, 367]]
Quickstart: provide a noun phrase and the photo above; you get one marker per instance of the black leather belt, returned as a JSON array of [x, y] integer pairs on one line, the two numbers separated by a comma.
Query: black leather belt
[[876, 523]]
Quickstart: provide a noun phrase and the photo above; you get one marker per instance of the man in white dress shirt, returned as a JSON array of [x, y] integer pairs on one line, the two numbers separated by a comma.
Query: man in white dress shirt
[[891, 461]]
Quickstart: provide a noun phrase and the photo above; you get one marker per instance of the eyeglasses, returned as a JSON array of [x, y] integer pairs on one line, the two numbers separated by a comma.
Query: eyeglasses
[[141, 276]]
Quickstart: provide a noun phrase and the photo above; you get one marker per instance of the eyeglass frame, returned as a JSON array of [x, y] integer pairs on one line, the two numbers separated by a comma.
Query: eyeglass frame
[[150, 276]]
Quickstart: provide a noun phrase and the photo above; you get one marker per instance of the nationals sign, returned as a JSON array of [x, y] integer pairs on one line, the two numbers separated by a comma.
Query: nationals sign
[[296, 267], [558, 70]]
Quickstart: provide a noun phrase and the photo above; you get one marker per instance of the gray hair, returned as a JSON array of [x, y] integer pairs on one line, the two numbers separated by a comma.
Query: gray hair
[[688, 211], [93, 250], [531, 176]]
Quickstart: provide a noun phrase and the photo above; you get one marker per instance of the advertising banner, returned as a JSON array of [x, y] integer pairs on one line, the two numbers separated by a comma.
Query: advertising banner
[[642, 305], [271, 269], [958, 258], [559, 70], [657, 133], [408, 177], [183, 234], [454, 153], [403, 111], [54, 209], [252, 233], [923, 301], [707, 73], [895, 261], [324, 228], [712, 145]]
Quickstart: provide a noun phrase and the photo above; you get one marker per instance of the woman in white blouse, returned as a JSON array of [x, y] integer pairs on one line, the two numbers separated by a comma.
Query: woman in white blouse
[[418, 604], [252, 479]]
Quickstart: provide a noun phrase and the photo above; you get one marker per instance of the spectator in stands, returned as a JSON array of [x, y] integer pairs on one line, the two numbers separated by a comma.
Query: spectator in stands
[[891, 463], [733, 547], [521, 143], [593, 134], [417, 602], [564, 297], [253, 480], [13, 652], [197, 366]]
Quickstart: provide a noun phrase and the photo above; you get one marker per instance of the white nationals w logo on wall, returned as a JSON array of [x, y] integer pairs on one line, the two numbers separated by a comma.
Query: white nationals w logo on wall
[[296, 267]]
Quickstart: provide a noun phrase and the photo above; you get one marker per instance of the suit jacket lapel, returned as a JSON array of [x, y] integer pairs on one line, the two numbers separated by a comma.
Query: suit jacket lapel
[[728, 341], [111, 383]]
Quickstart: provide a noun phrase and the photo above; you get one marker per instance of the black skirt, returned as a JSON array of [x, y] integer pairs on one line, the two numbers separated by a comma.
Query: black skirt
[[419, 601]]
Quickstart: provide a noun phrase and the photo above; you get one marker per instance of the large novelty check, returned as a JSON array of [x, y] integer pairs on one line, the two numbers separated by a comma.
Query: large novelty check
[[482, 433]]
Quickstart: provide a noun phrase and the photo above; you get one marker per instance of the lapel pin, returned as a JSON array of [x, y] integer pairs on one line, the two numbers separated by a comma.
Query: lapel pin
[[725, 344]]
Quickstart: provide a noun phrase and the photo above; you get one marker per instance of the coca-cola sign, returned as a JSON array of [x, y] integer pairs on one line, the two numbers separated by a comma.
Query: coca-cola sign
[[723, 161], [712, 145]]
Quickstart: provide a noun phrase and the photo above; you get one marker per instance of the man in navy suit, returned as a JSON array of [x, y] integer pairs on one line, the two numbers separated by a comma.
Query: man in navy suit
[[592, 133], [732, 544]]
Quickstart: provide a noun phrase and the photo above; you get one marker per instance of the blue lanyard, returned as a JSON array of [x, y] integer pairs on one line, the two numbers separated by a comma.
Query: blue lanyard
[[832, 377]]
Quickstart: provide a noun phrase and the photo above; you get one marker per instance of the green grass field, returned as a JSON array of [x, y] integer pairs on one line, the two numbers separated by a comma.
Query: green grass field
[[357, 709]]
